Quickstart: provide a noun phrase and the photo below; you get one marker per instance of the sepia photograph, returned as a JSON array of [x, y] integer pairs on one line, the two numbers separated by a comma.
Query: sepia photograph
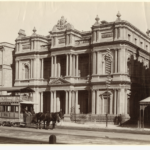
[[75, 73]]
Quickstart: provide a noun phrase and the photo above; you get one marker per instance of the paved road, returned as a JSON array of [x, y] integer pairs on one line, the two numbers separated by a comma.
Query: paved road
[[15, 135]]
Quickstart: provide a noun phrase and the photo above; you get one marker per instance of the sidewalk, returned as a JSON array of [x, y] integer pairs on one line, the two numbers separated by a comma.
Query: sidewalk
[[73, 133], [102, 127]]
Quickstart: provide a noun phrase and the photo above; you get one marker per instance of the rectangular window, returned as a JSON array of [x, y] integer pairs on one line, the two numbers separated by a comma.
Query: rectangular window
[[135, 41], [129, 37], [47, 68], [141, 44], [106, 104], [83, 65], [16, 108], [146, 47]]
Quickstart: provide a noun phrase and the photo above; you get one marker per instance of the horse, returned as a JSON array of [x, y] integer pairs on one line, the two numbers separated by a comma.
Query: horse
[[61, 115], [46, 117]]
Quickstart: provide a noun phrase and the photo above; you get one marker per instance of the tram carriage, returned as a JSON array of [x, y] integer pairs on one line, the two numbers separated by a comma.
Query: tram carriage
[[11, 108]]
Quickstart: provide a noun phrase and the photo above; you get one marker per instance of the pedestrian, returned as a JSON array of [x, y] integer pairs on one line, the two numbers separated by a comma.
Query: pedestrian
[[32, 111], [120, 120], [116, 120]]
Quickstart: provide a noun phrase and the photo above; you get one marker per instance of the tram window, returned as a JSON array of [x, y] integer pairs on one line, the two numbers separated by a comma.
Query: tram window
[[4, 108], [17, 109], [12, 108], [1, 108], [8, 108]]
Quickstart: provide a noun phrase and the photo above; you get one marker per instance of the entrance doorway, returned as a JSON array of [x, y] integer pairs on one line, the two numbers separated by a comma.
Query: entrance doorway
[[83, 102]]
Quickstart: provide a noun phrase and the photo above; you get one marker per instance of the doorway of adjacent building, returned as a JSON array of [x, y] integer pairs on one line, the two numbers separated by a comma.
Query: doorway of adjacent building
[[147, 116], [46, 102], [83, 101], [62, 100]]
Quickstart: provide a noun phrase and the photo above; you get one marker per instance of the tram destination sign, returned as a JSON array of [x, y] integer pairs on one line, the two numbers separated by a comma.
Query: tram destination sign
[[10, 99]]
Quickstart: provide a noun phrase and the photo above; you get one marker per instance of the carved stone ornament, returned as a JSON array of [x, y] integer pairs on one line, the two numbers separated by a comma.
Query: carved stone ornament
[[62, 23]]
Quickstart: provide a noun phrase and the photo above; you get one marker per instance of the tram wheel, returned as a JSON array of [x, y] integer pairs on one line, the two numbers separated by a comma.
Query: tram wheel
[[3, 124]]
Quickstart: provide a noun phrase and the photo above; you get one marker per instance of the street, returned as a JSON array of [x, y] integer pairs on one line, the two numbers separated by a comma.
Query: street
[[15, 135]]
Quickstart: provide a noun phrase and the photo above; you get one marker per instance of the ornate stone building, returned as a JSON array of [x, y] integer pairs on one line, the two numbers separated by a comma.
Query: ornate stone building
[[6, 65], [68, 68]]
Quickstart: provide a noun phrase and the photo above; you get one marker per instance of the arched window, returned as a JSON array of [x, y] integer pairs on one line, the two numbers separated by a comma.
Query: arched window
[[26, 72]]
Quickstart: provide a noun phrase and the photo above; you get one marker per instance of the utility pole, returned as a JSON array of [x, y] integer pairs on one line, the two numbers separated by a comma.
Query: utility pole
[[108, 61]]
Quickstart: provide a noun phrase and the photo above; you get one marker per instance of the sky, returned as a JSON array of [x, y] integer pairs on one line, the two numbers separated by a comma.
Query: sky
[[44, 15]]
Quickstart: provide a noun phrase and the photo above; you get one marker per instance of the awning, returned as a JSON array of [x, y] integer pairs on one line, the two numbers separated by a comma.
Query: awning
[[28, 102], [17, 89], [145, 101]]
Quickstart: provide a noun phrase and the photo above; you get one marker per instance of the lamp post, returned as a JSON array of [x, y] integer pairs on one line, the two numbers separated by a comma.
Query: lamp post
[[108, 72]]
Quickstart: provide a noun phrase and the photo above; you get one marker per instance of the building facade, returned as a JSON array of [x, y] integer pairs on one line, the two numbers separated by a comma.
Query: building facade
[[68, 68], [6, 65]]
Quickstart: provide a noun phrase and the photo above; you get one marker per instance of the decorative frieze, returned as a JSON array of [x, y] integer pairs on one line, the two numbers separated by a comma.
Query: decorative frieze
[[107, 35]]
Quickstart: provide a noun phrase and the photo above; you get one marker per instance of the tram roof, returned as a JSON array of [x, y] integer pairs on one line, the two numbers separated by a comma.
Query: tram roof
[[145, 101], [17, 89]]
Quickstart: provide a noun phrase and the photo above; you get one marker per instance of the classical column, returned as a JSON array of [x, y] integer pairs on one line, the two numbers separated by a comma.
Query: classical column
[[73, 100], [19, 75], [73, 65], [76, 102], [94, 36], [93, 101], [116, 61], [70, 69], [52, 101], [52, 66], [118, 102], [111, 104], [120, 63], [97, 101], [31, 45], [34, 45], [77, 59], [125, 103], [97, 63], [58, 66], [42, 70], [30, 68], [116, 34], [58, 102], [54, 108], [20, 47], [102, 104], [126, 57], [89, 64], [98, 35], [33, 68], [89, 101], [16, 47], [115, 98], [55, 66], [69, 102], [67, 65], [66, 103], [94, 63], [70, 39], [41, 97], [16, 70]]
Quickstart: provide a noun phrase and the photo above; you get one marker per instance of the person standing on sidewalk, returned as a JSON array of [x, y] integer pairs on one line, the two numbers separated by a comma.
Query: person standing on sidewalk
[[120, 119]]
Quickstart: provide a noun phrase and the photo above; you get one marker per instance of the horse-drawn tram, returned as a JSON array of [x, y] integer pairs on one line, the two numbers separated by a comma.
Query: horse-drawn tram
[[12, 110], [18, 110]]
